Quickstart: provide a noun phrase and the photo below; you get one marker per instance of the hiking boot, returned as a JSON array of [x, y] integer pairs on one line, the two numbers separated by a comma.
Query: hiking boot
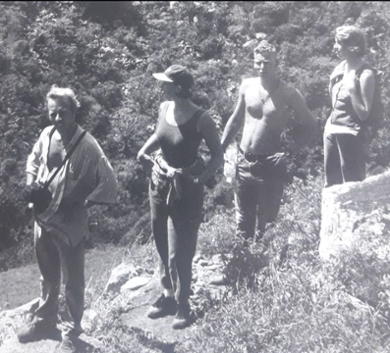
[[182, 318], [66, 346], [36, 331], [164, 306]]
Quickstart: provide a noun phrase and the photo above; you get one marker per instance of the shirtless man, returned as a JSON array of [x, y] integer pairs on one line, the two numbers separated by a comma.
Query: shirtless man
[[264, 106]]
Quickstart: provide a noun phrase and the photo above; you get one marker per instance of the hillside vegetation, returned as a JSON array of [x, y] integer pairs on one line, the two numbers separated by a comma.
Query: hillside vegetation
[[107, 52]]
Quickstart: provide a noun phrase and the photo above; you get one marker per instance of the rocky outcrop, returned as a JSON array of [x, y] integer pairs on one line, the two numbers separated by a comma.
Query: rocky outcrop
[[132, 290], [119, 276], [12, 320], [352, 211], [354, 236]]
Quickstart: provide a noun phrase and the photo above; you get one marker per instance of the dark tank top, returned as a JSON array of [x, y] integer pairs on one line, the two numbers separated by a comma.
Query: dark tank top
[[179, 144]]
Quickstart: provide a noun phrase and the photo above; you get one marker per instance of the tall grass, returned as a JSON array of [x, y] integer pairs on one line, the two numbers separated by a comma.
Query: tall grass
[[107, 328], [284, 299], [280, 297]]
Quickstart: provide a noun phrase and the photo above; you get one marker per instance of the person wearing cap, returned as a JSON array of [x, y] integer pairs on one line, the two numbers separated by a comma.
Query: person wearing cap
[[84, 179], [352, 97], [176, 188], [264, 108]]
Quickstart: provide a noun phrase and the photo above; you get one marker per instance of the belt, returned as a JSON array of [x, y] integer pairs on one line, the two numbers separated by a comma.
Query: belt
[[251, 157]]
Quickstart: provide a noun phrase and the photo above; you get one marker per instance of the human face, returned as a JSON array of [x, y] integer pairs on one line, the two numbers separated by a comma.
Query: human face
[[341, 51], [61, 115], [265, 64], [170, 89]]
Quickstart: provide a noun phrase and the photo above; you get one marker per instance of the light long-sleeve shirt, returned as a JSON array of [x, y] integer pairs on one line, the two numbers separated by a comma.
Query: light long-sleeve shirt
[[87, 175]]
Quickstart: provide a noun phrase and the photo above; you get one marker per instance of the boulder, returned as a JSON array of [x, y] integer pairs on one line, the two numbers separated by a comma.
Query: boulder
[[354, 236], [12, 320], [135, 283], [119, 276], [352, 211]]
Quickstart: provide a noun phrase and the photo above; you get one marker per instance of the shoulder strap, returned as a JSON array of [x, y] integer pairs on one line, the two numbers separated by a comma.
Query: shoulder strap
[[52, 132], [68, 154], [196, 116]]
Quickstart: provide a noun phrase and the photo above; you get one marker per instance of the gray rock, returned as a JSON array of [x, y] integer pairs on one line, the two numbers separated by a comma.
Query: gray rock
[[354, 233], [349, 210], [90, 319], [135, 283], [119, 276]]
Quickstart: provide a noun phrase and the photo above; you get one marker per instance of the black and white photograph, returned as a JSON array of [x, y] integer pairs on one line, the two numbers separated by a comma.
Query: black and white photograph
[[194, 177]]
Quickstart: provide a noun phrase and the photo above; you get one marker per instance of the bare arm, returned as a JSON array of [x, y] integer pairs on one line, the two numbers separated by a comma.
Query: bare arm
[[361, 97], [209, 132], [30, 178], [150, 146], [236, 119]]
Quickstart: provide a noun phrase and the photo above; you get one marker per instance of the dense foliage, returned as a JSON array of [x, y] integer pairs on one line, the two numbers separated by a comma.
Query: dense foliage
[[106, 51]]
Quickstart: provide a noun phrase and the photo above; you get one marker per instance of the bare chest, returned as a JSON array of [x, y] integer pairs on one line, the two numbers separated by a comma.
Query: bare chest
[[261, 104]]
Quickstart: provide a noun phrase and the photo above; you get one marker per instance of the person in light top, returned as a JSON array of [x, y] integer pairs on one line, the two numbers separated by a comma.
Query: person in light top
[[351, 87], [86, 179]]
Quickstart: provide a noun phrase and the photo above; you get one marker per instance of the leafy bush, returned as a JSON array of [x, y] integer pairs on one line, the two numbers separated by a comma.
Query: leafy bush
[[108, 53]]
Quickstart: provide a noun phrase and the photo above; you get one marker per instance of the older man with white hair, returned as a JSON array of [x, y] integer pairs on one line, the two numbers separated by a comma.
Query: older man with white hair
[[69, 167]]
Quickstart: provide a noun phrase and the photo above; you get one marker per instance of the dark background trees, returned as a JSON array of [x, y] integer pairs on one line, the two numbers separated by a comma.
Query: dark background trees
[[107, 51]]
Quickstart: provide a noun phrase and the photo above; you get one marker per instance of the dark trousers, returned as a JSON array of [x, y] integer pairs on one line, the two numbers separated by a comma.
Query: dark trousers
[[344, 158], [258, 194], [175, 230], [52, 255]]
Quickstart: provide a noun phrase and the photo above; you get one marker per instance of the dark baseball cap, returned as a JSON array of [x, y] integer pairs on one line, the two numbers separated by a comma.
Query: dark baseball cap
[[176, 74]]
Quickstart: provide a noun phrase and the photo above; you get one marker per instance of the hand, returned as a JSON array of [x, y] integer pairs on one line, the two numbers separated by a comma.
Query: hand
[[278, 157], [171, 172], [146, 162]]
